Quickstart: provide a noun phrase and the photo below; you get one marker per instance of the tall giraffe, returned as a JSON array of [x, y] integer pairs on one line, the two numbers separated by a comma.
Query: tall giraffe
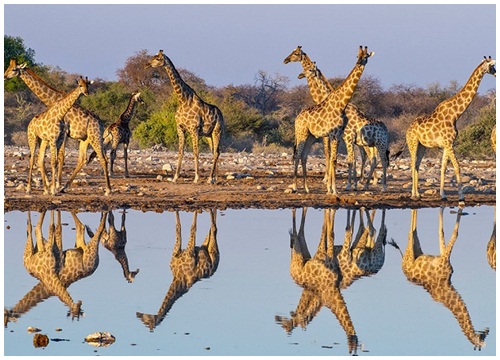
[[439, 129], [49, 126], [72, 265], [82, 124], [119, 133], [115, 241], [326, 118], [188, 266], [433, 273], [320, 277], [319, 88], [194, 116], [44, 262], [370, 135]]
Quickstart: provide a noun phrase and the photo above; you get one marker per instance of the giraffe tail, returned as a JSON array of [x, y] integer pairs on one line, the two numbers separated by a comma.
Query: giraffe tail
[[91, 157], [393, 243]]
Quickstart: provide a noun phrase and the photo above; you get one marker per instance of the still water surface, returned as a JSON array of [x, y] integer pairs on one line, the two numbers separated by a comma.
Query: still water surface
[[240, 295]]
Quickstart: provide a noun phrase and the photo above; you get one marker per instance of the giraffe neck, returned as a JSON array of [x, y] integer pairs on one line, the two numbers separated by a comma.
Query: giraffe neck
[[318, 88], [334, 300], [129, 111], [461, 100], [183, 90], [61, 107], [36, 295], [47, 94], [344, 92]]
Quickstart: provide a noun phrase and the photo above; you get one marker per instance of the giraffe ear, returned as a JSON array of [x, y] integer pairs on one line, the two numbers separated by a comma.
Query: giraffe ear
[[23, 65]]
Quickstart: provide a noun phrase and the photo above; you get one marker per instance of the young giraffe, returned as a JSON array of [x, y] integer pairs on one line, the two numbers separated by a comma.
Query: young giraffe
[[320, 277], [119, 133], [439, 129], [433, 273], [49, 126], [326, 118], [82, 124], [194, 116], [368, 134], [115, 241], [72, 265], [188, 266]]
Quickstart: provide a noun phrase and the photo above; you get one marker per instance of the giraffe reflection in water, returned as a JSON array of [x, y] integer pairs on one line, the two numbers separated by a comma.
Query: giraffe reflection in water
[[331, 269], [57, 269], [491, 249], [115, 241], [433, 273], [188, 266]]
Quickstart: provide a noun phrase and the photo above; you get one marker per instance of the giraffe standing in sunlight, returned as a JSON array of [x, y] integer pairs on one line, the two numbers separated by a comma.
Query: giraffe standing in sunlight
[[188, 266], [49, 126], [82, 125], [371, 136], [433, 273], [439, 129], [119, 133], [326, 119], [194, 116]]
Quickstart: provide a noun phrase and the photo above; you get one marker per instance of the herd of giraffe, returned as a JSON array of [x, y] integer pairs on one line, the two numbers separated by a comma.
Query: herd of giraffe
[[331, 118]]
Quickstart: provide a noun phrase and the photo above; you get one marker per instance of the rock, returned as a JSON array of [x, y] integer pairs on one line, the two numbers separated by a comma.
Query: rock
[[40, 340], [32, 329], [100, 338], [167, 167]]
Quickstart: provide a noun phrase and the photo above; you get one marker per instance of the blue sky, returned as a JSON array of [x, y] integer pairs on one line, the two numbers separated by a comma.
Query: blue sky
[[228, 44]]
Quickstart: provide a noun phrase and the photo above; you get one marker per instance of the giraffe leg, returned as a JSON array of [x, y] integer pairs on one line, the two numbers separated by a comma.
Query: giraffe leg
[[326, 149], [363, 151], [82, 156], [60, 162], [125, 158], [53, 162], [331, 186], [182, 139], [112, 157], [373, 165], [196, 153], [351, 164], [32, 142], [453, 159], [443, 170], [303, 157], [41, 165], [178, 235], [215, 146]]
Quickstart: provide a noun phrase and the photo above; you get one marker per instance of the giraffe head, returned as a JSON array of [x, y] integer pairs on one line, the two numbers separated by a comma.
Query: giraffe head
[[296, 55], [489, 66], [363, 55], [84, 85], [13, 70], [312, 72], [137, 97], [157, 61]]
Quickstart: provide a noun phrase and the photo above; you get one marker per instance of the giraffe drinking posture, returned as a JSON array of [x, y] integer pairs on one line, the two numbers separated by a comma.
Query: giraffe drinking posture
[[49, 126], [57, 269], [439, 129], [194, 116], [433, 273], [188, 266], [326, 119], [82, 124], [119, 133]]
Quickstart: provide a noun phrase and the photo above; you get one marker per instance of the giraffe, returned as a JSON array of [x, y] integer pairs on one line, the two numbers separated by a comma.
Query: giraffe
[[49, 126], [188, 266], [368, 134], [319, 276], [326, 118], [119, 133], [491, 248], [439, 129], [72, 264], [44, 262], [115, 241], [319, 88], [363, 256], [433, 273], [82, 124], [194, 116]]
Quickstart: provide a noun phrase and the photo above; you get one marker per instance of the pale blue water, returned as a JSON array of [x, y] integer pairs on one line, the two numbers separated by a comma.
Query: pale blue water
[[233, 311]]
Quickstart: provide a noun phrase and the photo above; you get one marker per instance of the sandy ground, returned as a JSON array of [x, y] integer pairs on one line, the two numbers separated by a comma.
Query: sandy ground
[[245, 181]]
